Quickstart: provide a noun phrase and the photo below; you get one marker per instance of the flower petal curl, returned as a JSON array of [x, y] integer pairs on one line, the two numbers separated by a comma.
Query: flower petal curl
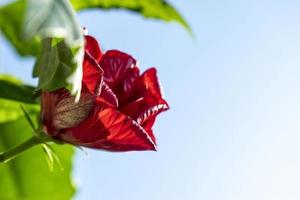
[[116, 66], [92, 47], [110, 130]]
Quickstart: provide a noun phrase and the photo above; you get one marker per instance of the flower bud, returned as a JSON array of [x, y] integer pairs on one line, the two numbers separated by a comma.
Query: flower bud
[[69, 113]]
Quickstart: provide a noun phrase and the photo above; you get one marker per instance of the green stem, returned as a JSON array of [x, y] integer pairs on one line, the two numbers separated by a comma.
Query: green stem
[[12, 153]]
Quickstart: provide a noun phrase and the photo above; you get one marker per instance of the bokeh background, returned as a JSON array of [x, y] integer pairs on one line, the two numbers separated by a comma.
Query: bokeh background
[[233, 130]]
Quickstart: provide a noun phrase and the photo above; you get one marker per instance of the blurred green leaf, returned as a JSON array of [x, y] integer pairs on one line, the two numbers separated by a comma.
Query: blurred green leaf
[[159, 9], [45, 19], [11, 26], [28, 176], [22, 21], [13, 94], [12, 89], [48, 17], [52, 18], [10, 110]]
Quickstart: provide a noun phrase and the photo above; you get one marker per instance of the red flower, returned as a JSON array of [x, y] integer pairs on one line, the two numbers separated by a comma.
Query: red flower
[[117, 108]]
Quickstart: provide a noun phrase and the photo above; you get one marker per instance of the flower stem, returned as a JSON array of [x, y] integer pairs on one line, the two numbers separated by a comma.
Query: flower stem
[[12, 153]]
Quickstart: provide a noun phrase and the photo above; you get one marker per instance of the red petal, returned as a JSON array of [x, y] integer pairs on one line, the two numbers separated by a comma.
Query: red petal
[[92, 47], [144, 108], [110, 130], [148, 128], [153, 102], [107, 96], [92, 74], [149, 99], [116, 65], [150, 110], [150, 83], [126, 92]]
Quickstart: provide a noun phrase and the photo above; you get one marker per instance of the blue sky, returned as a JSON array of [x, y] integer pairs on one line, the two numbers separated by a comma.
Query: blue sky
[[233, 130]]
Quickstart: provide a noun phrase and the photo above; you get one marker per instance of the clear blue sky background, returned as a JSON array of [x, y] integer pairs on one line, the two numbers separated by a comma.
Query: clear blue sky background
[[233, 130]]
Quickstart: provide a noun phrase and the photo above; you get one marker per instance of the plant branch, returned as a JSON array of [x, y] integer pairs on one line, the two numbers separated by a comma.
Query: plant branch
[[12, 153]]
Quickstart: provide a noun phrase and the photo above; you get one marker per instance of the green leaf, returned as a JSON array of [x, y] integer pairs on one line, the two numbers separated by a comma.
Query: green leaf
[[13, 89], [52, 18], [13, 94], [60, 61], [29, 120], [45, 19], [22, 21], [11, 25], [10, 110], [54, 64], [28, 176], [159, 9]]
